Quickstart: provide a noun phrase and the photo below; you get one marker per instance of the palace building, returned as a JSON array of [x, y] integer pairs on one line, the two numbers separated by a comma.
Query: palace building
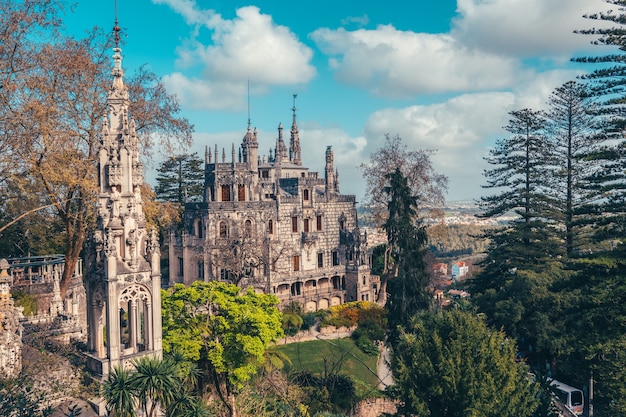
[[270, 223]]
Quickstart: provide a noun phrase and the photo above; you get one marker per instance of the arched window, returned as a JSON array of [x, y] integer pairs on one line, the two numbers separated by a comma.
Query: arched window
[[270, 227], [306, 195], [241, 192], [198, 228], [225, 192], [248, 228], [223, 230]]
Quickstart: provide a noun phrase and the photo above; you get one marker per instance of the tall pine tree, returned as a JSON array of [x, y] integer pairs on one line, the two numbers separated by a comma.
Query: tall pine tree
[[608, 84], [521, 177], [523, 256], [573, 130], [181, 179]]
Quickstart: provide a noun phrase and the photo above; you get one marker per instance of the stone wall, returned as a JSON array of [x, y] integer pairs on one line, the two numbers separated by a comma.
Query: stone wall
[[374, 407], [10, 336]]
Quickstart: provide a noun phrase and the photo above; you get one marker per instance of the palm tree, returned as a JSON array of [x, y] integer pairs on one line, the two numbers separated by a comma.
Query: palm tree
[[185, 404], [119, 394], [154, 383], [187, 372]]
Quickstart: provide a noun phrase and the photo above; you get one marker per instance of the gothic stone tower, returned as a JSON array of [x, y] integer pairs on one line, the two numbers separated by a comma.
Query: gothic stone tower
[[123, 279]]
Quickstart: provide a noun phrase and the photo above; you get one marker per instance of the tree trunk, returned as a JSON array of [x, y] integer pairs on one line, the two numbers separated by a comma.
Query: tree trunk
[[233, 405], [71, 260], [76, 233]]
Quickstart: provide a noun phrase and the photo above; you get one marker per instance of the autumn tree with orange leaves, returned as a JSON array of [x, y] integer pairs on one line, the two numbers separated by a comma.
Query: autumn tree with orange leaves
[[52, 103]]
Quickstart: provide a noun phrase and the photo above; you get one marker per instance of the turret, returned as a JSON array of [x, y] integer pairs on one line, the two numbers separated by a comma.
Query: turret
[[281, 149], [329, 171], [250, 149], [294, 144]]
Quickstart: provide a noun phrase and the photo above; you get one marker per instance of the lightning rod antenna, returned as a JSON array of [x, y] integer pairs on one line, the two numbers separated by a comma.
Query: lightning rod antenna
[[248, 103], [116, 28]]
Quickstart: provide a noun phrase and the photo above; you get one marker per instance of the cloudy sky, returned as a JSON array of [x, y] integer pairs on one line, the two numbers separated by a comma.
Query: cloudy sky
[[441, 74]]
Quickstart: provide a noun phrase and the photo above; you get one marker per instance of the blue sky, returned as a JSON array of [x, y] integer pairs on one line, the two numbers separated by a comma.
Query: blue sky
[[441, 74]]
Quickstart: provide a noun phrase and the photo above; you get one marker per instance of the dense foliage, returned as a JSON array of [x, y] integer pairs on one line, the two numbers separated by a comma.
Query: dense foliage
[[455, 240], [151, 385], [225, 329], [451, 364], [552, 276], [18, 399]]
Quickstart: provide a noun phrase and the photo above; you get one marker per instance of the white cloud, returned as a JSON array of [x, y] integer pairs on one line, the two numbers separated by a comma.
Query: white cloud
[[347, 149], [188, 9], [460, 129], [534, 93], [356, 20], [249, 47], [348, 152], [526, 28], [455, 125], [485, 50], [252, 46], [395, 63], [202, 94]]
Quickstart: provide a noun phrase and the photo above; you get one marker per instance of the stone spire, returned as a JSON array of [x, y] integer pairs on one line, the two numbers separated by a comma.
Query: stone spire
[[281, 149], [124, 276], [294, 144]]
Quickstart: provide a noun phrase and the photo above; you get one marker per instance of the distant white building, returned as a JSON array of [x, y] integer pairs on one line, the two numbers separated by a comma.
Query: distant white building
[[459, 269]]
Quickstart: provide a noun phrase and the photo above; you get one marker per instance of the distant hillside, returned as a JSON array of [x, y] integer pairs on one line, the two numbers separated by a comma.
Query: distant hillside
[[457, 239], [458, 234]]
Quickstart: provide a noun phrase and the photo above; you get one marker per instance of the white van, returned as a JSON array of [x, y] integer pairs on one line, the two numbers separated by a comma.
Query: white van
[[572, 398]]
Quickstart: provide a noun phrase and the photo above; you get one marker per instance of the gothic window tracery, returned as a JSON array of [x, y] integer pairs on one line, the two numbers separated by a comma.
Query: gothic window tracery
[[223, 230]]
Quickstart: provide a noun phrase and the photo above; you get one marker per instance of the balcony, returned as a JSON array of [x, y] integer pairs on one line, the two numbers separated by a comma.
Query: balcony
[[308, 237]]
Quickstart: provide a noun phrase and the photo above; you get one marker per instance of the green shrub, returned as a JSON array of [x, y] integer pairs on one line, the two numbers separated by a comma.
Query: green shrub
[[367, 346], [292, 323], [334, 392], [370, 329], [27, 301], [308, 320]]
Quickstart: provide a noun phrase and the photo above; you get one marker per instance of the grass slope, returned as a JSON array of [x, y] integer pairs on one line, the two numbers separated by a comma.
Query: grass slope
[[325, 356]]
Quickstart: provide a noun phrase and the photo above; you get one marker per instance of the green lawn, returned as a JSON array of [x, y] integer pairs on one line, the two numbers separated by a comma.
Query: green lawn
[[342, 354]]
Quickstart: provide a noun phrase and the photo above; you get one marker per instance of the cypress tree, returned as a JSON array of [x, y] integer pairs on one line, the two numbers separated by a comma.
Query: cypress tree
[[407, 238]]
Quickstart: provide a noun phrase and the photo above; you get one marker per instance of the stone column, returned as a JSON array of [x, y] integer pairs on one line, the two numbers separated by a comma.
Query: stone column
[[132, 324]]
